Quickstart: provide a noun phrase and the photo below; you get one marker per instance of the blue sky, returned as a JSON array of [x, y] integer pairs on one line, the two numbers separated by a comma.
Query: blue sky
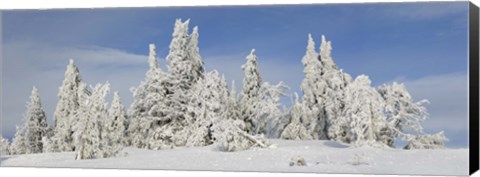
[[423, 45]]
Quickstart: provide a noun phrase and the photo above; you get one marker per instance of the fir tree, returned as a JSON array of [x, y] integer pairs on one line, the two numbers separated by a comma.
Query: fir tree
[[194, 56], [233, 105], [19, 145], [148, 109], [36, 124], [311, 86], [211, 96], [4, 147], [185, 68], [295, 130], [334, 94], [181, 64], [252, 83], [269, 112], [88, 131], [115, 127], [66, 107], [364, 112]]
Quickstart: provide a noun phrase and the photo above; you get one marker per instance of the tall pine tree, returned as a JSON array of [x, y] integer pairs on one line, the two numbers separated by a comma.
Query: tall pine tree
[[19, 145], [36, 123], [116, 123], [148, 109], [311, 86], [364, 112], [90, 143], [211, 100], [252, 83], [28, 138], [66, 107], [333, 95]]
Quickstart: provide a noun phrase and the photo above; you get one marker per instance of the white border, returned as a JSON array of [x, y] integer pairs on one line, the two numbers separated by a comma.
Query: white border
[[62, 4]]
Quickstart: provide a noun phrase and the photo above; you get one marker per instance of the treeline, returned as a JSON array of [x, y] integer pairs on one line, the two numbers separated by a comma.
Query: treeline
[[188, 106]]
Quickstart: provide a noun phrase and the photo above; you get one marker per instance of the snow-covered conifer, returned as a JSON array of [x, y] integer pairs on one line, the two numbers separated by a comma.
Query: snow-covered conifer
[[364, 112], [36, 124], [115, 126], [66, 107], [28, 138], [194, 56], [230, 136], [149, 106], [210, 105], [334, 94], [185, 68], [233, 105], [88, 131], [4, 147], [180, 64], [268, 111], [252, 83], [295, 130], [435, 141], [404, 116], [311, 86], [19, 145]]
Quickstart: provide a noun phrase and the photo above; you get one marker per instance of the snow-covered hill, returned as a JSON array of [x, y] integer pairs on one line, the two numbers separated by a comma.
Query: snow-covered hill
[[320, 156]]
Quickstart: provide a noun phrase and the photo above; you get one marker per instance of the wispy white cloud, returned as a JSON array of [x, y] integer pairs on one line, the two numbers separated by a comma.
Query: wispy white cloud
[[448, 95], [26, 64]]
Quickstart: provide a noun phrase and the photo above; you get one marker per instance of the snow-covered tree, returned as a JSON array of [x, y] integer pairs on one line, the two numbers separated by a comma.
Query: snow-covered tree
[[296, 130], [311, 86], [252, 83], [115, 124], [185, 65], [47, 141], [28, 138], [435, 141], [233, 105], [210, 105], [185, 69], [334, 94], [19, 145], [230, 136], [36, 124], [148, 109], [4, 147], [337, 125], [194, 56], [88, 130], [66, 107], [404, 116], [268, 113], [364, 112]]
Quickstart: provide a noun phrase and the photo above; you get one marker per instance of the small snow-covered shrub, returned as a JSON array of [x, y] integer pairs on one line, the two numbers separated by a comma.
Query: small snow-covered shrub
[[435, 141], [297, 161], [4, 146], [48, 145], [295, 129], [230, 136], [359, 159]]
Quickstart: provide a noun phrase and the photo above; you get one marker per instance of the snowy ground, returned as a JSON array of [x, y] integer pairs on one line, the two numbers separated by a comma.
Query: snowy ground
[[321, 157]]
